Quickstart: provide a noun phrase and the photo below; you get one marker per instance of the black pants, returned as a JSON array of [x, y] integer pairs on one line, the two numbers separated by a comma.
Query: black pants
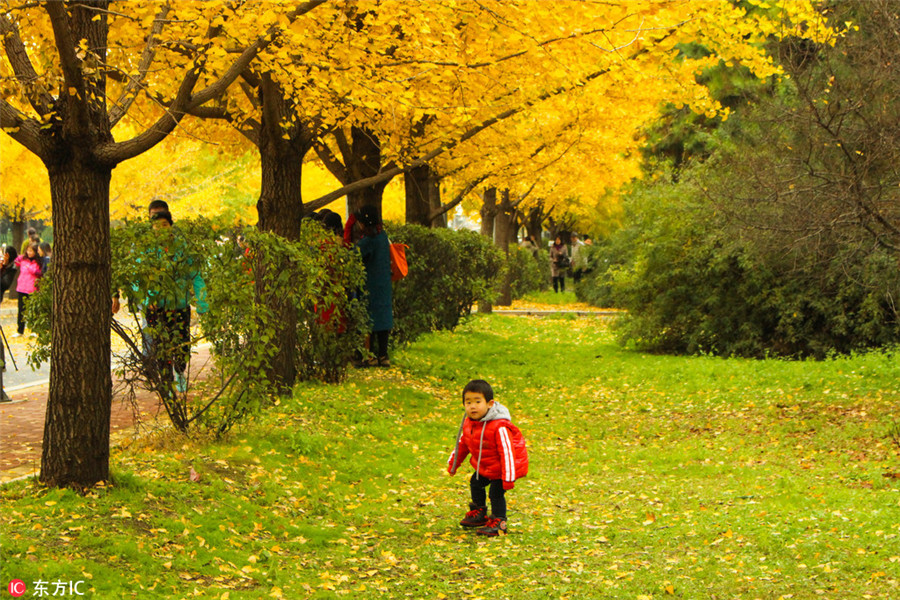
[[560, 283], [497, 493], [170, 338], [21, 317], [381, 343]]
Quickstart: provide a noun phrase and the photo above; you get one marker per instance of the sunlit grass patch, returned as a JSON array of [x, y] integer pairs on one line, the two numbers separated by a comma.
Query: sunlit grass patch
[[650, 476]]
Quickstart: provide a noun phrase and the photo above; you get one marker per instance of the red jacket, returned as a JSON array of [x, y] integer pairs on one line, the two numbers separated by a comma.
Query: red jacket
[[496, 446]]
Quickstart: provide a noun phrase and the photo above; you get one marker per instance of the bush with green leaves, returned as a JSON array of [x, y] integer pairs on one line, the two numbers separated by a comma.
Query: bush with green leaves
[[157, 268], [449, 272], [692, 283], [527, 273]]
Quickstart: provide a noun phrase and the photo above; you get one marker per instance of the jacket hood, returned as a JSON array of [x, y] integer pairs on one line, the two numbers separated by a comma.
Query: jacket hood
[[497, 411]]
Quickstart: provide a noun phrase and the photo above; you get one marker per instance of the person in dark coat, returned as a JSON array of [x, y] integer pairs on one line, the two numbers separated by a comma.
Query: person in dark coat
[[374, 249]]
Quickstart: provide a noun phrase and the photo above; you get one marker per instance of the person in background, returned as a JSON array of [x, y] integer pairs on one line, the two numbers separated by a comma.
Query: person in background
[[169, 317], [374, 249], [559, 262], [8, 269], [29, 265], [46, 252], [579, 260], [32, 237]]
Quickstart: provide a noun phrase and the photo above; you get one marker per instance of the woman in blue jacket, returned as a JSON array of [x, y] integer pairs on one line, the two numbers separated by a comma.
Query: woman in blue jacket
[[375, 251]]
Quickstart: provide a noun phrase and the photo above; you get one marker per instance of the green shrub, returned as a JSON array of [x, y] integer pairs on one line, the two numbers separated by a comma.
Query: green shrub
[[527, 273], [692, 283], [449, 271], [154, 267]]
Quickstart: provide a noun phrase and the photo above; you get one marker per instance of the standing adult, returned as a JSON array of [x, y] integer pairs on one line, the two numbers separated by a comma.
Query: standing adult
[[31, 237], [166, 313], [8, 269], [374, 248], [579, 260], [559, 262]]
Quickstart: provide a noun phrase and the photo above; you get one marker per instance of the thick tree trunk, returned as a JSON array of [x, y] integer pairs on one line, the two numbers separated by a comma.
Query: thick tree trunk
[[488, 212], [76, 430], [365, 162], [280, 208], [423, 195], [534, 224], [504, 227]]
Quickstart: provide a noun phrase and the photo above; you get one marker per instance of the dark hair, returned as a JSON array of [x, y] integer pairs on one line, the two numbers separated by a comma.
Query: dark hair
[[479, 386], [11, 252], [333, 223], [46, 247], [156, 204], [368, 216], [163, 214], [36, 256]]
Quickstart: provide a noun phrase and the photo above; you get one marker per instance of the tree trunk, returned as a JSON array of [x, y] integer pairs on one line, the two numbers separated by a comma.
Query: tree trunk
[[488, 212], [504, 226], [534, 224], [423, 195], [365, 162], [280, 208], [76, 430], [18, 233]]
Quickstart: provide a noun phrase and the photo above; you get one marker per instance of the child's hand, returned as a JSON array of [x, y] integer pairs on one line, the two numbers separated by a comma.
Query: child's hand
[[508, 485]]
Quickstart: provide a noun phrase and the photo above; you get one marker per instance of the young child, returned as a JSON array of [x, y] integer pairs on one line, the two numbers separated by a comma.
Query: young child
[[29, 265], [46, 253], [498, 454]]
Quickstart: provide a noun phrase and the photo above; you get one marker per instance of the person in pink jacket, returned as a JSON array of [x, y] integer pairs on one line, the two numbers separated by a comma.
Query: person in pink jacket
[[497, 451], [29, 265]]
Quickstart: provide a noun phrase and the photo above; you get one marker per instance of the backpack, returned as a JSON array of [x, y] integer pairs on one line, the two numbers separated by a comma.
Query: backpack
[[399, 266]]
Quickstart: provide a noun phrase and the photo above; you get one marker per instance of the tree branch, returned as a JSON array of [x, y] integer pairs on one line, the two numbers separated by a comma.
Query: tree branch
[[388, 174], [128, 96], [18, 58], [185, 100], [331, 162], [24, 130], [68, 59], [444, 208]]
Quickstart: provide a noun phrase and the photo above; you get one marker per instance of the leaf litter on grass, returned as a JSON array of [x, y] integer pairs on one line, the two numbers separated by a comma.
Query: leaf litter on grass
[[650, 476]]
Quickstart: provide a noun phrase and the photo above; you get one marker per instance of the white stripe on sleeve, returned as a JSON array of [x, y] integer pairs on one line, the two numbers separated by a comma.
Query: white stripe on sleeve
[[507, 451]]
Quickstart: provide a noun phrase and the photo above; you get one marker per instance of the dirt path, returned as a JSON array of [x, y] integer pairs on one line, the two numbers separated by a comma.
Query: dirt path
[[22, 422]]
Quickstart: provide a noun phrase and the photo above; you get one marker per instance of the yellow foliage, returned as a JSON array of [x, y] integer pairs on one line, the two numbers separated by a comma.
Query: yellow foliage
[[24, 185]]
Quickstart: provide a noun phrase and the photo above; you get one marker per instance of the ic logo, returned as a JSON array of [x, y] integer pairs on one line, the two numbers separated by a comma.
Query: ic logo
[[17, 588]]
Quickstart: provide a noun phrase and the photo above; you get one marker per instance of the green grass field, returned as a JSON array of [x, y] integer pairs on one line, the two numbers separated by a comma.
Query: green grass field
[[651, 477]]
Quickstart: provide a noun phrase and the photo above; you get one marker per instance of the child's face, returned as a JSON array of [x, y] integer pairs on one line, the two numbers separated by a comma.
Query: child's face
[[29, 252], [475, 405]]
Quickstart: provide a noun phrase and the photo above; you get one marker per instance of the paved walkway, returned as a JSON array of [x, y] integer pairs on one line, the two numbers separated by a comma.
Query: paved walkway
[[22, 422]]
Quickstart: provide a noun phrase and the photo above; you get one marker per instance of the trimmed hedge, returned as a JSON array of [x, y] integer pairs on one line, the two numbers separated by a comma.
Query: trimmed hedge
[[449, 272]]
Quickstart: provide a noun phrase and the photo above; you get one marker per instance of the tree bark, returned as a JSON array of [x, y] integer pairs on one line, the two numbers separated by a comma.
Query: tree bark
[[488, 212], [423, 197], [364, 162], [504, 227], [534, 221], [280, 208], [76, 430]]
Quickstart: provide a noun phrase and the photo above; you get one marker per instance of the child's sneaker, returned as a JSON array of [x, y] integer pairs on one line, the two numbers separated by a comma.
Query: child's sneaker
[[494, 526], [476, 517]]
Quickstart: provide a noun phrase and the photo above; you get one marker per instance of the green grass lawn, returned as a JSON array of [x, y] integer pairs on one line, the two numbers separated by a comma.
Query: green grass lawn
[[650, 477]]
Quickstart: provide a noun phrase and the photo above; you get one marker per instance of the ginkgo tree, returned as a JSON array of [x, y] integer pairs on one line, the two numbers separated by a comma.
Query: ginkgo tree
[[24, 189], [70, 72]]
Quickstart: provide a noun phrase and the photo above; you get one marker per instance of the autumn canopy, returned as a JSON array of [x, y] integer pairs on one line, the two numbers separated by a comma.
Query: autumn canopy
[[120, 100]]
